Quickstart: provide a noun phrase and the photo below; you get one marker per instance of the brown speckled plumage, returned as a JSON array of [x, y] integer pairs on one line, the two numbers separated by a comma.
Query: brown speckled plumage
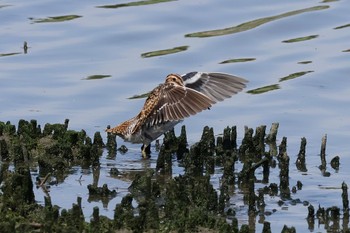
[[179, 97]]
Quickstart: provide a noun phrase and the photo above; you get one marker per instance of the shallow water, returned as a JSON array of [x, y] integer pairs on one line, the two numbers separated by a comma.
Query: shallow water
[[125, 44]]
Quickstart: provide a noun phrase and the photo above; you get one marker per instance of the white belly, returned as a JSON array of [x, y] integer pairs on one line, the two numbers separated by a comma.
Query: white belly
[[149, 134]]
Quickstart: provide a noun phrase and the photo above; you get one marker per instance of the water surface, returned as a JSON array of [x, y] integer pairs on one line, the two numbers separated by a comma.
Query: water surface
[[85, 59]]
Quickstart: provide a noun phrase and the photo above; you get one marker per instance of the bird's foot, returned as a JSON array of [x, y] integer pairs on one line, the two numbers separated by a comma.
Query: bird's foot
[[146, 151]]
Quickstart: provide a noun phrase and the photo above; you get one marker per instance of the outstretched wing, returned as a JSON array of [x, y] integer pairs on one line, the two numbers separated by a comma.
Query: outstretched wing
[[177, 102], [217, 86]]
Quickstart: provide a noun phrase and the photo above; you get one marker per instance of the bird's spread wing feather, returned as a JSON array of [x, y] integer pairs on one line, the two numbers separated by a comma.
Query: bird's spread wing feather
[[217, 86], [178, 102]]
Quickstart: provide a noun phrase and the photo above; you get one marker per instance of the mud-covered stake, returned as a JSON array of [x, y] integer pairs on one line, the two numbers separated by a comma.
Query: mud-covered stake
[[300, 162]]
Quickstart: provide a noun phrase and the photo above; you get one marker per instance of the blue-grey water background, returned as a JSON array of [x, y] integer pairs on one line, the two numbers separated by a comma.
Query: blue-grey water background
[[84, 67]]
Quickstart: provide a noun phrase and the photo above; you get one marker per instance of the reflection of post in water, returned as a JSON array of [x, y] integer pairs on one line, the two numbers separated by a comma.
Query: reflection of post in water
[[345, 199], [17, 188], [167, 149], [146, 164], [25, 47], [103, 194], [96, 193], [95, 175], [311, 218], [252, 221], [283, 160], [330, 217], [346, 221], [253, 156], [247, 185], [170, 147]]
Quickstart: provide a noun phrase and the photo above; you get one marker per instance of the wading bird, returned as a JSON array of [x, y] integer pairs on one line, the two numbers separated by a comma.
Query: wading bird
[[180, 96]]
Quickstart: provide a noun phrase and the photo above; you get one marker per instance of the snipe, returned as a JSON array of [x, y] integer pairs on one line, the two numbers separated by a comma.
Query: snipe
[[179, 97]]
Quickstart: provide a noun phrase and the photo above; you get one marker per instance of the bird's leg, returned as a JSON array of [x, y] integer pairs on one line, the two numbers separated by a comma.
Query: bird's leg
[[146, 151]]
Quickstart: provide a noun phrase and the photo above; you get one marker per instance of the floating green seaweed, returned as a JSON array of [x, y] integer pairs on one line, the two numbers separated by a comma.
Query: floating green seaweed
[[342, 26], [252, 24], [97, 76], [2, 6], [299, 39], [295, 75], [144, 95], [304, 62], [264, 89], [8, 54], [55, 19], [237, 60], [137, 3], [164, 52]]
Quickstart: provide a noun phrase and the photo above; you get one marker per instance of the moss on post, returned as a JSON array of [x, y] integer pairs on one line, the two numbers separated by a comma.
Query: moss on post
[[182, 144]]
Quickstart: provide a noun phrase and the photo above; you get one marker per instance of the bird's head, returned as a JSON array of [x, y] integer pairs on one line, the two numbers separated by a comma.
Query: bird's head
[[174, 79]]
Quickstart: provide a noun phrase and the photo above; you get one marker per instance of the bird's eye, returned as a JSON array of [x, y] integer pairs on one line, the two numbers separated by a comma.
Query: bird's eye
[[174, 79]]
